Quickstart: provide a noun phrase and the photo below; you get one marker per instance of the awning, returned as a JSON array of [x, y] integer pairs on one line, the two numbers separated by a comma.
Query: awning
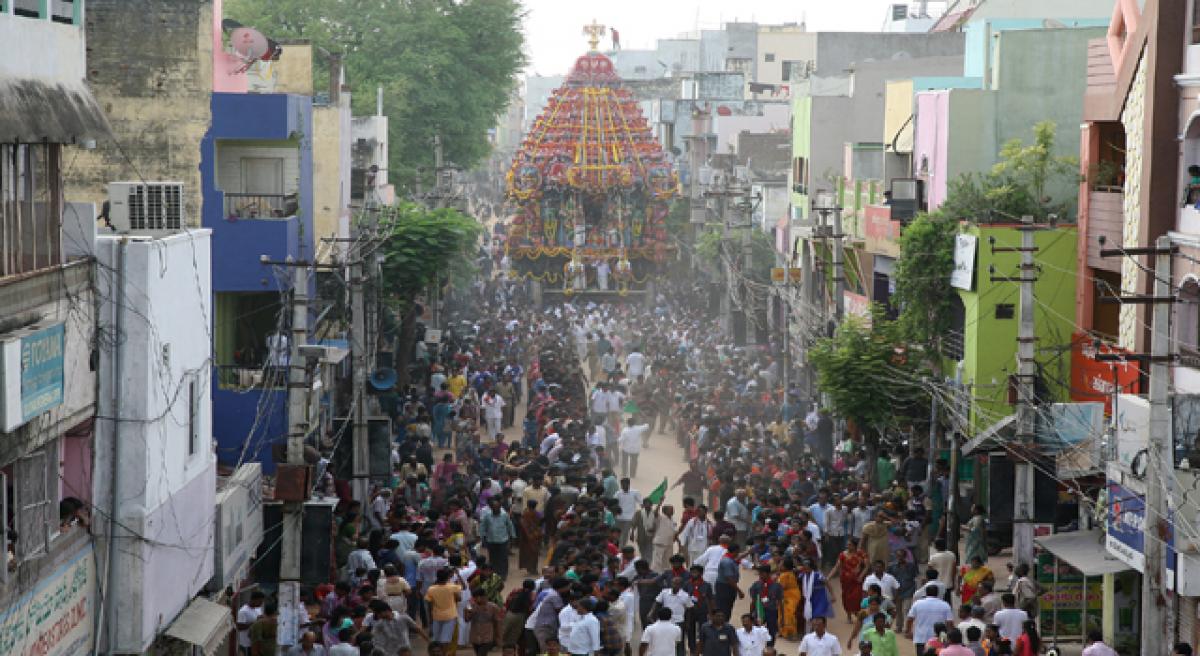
[[34, 111], [1083, 550], [204, 624], [989, 435]]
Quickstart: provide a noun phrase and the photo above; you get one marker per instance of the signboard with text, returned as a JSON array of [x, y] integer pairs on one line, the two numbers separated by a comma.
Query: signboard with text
[[1125, 528], [963, 276], [31, 374], [1066, 595], [55, 617]]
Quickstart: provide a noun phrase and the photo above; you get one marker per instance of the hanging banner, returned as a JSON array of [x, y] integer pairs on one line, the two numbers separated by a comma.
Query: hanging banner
[[963, 276]]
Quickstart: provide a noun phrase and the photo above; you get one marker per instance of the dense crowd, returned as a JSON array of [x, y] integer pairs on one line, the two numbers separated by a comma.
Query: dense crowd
[[543, 545]]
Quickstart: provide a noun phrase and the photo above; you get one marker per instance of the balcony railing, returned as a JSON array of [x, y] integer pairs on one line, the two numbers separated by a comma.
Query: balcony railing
[[239, 377], [260, 206]]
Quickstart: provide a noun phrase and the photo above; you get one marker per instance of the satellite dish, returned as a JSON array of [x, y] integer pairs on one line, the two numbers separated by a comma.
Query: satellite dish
[[249, 44]]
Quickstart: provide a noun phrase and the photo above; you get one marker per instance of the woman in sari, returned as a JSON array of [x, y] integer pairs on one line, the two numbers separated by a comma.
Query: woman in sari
[[973, 577], [850, 569], [977, 534], [818, 600], [789, 628], [531, 538]]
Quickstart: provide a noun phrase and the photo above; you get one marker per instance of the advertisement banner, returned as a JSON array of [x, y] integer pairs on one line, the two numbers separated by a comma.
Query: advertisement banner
[[1125, 528], [963, 276], [1094, 380], [1067, 595], [42, 370], [55, 617]]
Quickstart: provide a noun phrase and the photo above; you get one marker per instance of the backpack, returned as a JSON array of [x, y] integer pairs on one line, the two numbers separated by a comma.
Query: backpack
[[610, 637]]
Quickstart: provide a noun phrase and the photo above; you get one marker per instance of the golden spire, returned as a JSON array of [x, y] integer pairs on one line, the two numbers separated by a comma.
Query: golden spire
[[594, 32]]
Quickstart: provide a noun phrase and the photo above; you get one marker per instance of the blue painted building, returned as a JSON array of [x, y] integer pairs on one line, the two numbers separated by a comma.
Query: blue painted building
[[257, 178]]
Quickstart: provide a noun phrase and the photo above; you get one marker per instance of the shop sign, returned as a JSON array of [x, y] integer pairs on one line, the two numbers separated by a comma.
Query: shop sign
[[55, 618], [1125, 528], [1133, 428], [31, 368], [1067, 594], [1093, 380], [963, 276]]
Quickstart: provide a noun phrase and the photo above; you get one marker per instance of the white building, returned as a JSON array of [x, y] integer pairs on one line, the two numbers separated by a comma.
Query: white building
[[155, 460]]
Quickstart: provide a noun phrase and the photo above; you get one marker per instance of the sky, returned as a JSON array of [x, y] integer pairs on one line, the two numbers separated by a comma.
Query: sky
[[554, 28]]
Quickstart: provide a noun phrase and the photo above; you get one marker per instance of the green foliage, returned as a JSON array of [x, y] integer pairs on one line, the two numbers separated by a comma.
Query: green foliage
[[854, 366], [923, 290], [679, 216], [712, 247], [446, 66], [422, 245], [1016, 185]]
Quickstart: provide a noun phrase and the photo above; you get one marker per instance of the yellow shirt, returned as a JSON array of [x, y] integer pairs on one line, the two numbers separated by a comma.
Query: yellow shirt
[[442, 606], [457, 384]]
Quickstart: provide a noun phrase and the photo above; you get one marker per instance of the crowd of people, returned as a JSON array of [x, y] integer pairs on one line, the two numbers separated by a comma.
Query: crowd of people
[[542, 544]]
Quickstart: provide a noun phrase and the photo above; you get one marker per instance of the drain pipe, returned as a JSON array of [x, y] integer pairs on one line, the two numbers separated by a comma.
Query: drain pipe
[[107, 615]]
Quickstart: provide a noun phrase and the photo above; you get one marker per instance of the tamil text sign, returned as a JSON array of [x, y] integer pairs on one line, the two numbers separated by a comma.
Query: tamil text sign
[[55, 617]]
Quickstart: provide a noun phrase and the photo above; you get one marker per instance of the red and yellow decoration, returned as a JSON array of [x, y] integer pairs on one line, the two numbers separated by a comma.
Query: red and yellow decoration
[[591, 182]]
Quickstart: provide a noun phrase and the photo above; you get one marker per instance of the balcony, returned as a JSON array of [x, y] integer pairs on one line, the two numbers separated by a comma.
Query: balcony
[[260, 206], [1105, 217]]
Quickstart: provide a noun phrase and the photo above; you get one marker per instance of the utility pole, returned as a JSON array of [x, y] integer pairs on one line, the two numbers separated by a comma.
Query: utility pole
[[1023, 485], [1158, 613], [1157, 607], [839, 267], [359, 349], [298, 388]]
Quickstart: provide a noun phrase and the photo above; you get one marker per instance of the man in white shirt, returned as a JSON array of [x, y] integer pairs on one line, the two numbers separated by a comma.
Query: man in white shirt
[[247, 615], [631, 447], [628, 501], [886, 582], [752, 638], [695, 535], [820, 643], [662, 637], [1010, 619], [946, 564], [675, 599], [584, 636], [711, 559], [635, 364], [924, 614]]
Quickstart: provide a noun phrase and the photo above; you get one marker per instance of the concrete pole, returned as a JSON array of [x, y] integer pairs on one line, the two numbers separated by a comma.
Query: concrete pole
[[839, 267], [293, 511], [1157, 606], [359, 349], [748, 310], [1023, 511]]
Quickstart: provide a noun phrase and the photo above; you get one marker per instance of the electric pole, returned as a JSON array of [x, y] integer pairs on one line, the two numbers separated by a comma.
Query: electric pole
[[1157, 608], [839, 266], [1158, 620], [1023, 484], [293, 511], [359, 350]]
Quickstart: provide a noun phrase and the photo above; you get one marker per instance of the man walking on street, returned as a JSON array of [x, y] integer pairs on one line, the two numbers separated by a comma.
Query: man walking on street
[[496, 528], [628, 501], [631, 447]]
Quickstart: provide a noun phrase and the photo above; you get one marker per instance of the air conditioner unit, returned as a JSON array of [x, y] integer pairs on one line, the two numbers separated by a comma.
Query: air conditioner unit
[[146, 208]]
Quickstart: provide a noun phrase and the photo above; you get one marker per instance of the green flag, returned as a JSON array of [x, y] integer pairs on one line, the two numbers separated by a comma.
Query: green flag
[[659, 492]]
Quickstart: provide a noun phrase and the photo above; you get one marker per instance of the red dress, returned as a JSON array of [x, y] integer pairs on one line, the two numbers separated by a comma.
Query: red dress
[[849, 564]]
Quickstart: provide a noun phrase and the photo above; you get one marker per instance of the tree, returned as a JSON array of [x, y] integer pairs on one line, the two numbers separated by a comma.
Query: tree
[[422, 247], [866, 372], [447, 67], [1018, 184], [923, 291]]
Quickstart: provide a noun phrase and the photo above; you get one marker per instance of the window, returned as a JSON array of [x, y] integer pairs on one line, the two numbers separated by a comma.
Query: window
[[194, 399], [800, 175], [1195, 21], [794, 71], [737, 65], [1187, 317], [35, 501], [250, 330], [30, 207], [769, 57]]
